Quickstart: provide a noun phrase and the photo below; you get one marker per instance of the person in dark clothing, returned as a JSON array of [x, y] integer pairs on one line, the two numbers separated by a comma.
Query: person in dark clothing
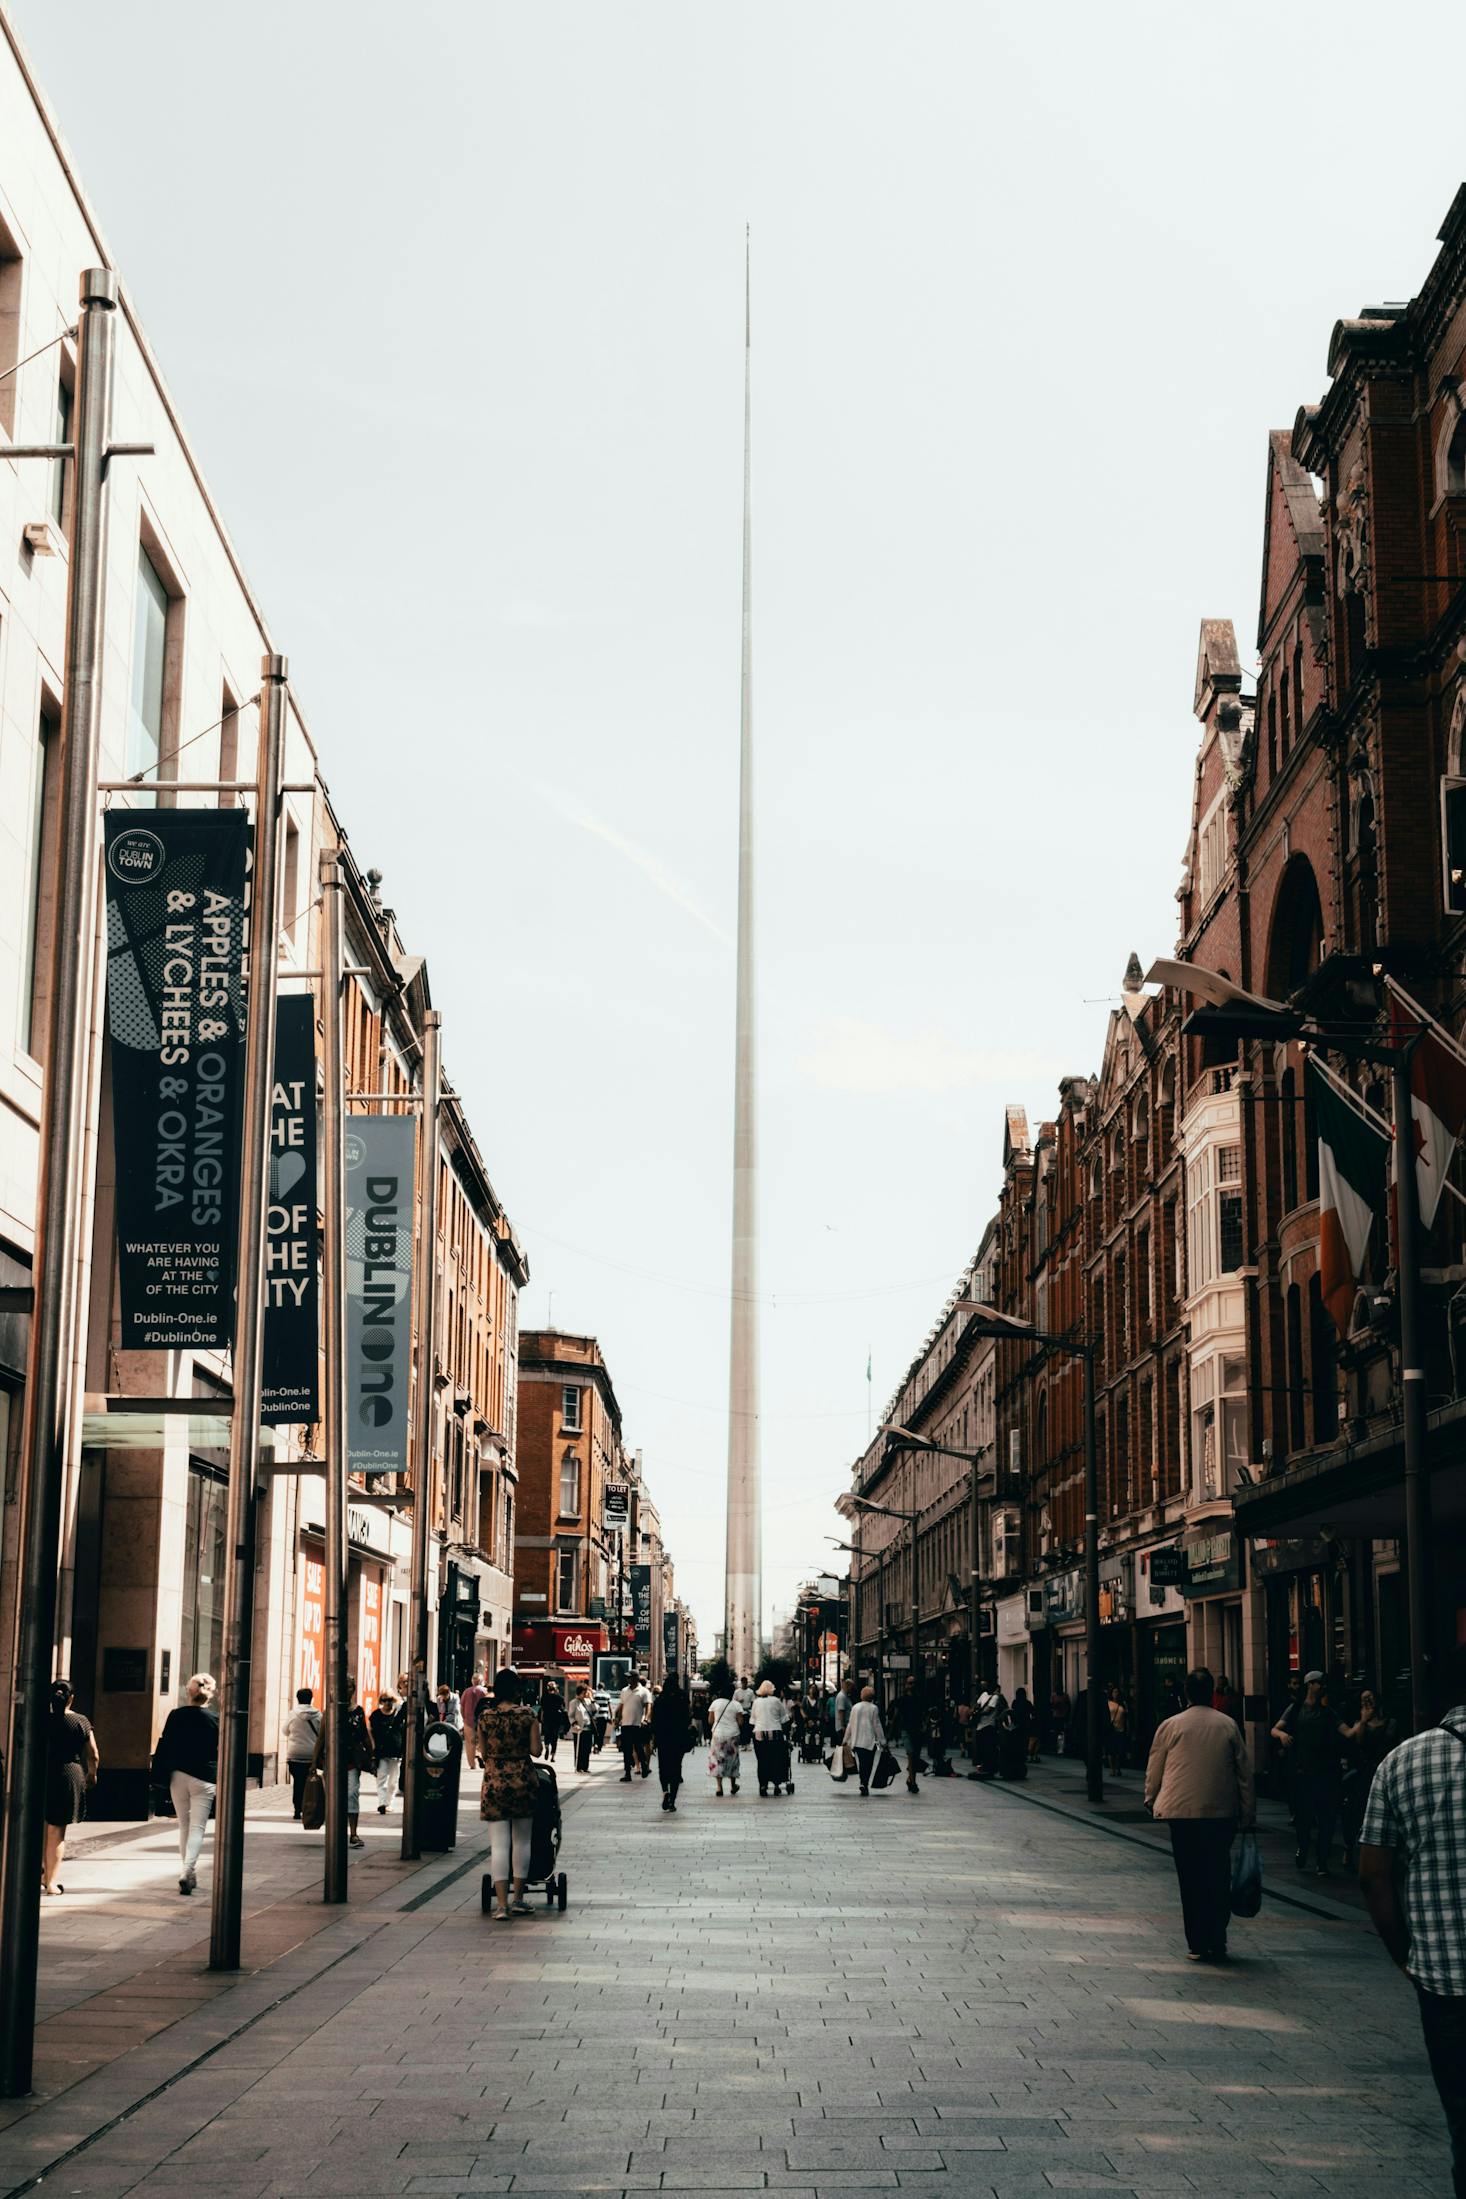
[[1308, 1732], [1020, 1718], [908, 1721], [672, 1735], [301, 1735], [388, 1723], [186, 1762], [71, 1767], [553, 1721], [1369, 1741]]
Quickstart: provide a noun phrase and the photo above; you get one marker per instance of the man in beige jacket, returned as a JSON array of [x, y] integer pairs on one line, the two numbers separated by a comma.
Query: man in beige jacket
[[1199, 1782]]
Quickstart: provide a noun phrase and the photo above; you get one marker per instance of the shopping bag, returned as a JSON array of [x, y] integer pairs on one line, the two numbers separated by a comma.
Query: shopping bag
[[313, 1803], [840, 1761], [886, 1769], [1246, 1876]]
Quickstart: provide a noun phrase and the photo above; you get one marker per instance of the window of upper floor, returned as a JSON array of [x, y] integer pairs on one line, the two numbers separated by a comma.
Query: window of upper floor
[[1211, 846], [570, 1407], [12, 275]]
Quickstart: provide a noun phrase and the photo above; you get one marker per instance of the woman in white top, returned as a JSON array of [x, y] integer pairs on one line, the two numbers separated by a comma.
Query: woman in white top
[[725, 1720], [865, 1734], [769, 1719]]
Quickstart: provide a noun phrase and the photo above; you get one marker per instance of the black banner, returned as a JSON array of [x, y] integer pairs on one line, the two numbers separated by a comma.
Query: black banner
[[292, 1276], [669, 1644], [175, 1011], [641, 1608]]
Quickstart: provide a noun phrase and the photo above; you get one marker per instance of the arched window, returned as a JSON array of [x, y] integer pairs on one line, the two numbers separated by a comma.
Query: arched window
[[1298, 694], [1285, 724], [1272, 735], [1288, 1138], [1325, 1377], [1295, 946]]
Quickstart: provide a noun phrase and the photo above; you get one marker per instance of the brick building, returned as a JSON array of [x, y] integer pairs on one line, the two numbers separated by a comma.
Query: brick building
[[570, 1566]]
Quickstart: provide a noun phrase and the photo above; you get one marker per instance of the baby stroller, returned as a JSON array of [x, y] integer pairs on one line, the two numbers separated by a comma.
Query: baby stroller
[[544, 1846], [811, 1747]]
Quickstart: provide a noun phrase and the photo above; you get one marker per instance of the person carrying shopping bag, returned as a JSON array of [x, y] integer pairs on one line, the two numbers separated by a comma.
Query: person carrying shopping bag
[[864, 1733], [186, 1763]]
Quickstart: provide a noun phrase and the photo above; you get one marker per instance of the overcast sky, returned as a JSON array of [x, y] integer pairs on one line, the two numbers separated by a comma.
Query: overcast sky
[[451, 299]]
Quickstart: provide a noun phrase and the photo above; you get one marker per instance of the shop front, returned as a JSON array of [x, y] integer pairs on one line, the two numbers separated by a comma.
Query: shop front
[[1063, 1616], [565, 1652], [1211, 1583], [458, 1614], [1117, 1611], [1013, 1648]]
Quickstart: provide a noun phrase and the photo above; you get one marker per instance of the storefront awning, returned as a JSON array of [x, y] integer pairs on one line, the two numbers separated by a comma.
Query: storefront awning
[[1358, 1489]]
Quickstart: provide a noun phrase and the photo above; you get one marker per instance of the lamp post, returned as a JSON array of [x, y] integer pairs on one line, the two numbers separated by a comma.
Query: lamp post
[[1228, 1012], [988, 1321]]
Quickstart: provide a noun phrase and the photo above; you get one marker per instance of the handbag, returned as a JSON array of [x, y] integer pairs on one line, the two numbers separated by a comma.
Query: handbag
[[313, 1802], [885, 1770], [1246, 1876]]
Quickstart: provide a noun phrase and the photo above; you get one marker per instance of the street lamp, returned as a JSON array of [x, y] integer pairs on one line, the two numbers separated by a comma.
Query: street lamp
[[988, 1321], [1228, 1012]]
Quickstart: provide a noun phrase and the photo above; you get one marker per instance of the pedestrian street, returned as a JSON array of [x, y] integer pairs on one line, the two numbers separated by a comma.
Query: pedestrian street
[[964, 1991]]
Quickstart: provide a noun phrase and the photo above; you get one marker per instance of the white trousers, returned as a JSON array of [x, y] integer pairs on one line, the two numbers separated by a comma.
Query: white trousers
[[387, 1770], [191, 1798], [506, 1833]]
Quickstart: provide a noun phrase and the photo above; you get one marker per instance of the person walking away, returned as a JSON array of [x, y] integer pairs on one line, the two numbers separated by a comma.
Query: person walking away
[[842, 1707], [447, 1709], [770, 1748], [744, 1695], [302, 1731], [186, 1762], [509, 1740], [553, 1721], [1415, 1821], [72, 1761], [599, 1722], [1369, 1741], [578, 1719], [1309, 1734], [361, 1756], [908, 1719], [388, 1724], [468, 1707], [671, 1726], [725, 1721], [1227, 1700], [631, 1716], [865, 1734], [1117, 1740], [1021, 1719], [1198, 1780]]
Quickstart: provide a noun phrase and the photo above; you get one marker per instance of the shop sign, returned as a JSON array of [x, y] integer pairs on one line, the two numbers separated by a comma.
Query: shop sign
[[1213, 1563], [641, 1608], [1298, 1554], [367, 1530], [1064, 1594], [291, 1346], [176, 1015], [1159, 1575], [379, 1169], [1117, 1591], [312, 1624], [616, 1505], [577, 1645], [1013, 1619]]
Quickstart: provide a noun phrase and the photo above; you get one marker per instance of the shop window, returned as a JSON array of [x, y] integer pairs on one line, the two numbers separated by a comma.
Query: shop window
[[201, 1646]]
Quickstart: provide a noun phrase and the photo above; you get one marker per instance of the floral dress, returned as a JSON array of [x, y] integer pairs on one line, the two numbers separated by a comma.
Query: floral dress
[[723, 1751], [511, 1785]]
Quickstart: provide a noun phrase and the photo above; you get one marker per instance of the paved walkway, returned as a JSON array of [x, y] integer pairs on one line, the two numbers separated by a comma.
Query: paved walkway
[[958, 1993]]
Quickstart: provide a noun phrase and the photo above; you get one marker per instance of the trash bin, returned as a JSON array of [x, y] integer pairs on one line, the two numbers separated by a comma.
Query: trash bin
[[439, 1768]]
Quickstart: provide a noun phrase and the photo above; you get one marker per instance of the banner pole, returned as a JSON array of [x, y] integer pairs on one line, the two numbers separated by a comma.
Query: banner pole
[[249, 1310], [422, 1426], [333, 1338], [48, 1359]]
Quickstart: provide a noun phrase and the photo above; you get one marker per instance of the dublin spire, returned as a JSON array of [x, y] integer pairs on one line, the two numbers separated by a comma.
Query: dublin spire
[[743, 1592]]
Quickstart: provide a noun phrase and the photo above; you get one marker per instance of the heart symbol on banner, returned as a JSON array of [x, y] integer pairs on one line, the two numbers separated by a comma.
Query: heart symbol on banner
[[286, 1170]]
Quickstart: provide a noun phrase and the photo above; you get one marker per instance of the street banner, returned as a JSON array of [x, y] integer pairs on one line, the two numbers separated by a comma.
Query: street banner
[[379, 1170], [669, 1644], [641, 1608], [292, 1276], [175, 1013]]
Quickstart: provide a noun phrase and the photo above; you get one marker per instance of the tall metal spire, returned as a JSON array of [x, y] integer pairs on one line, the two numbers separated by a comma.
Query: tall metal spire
[[743, 1596]]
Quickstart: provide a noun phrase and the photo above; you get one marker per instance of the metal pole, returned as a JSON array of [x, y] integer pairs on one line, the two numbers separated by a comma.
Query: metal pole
[[1412, 1376], [422, 1429], [333, 1339], [249, 1322], [975, 1536], [43, 1443], [1094, 1769]]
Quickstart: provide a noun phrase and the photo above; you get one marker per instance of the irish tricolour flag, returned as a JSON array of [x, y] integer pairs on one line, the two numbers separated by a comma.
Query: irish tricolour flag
[[1351, 1181]]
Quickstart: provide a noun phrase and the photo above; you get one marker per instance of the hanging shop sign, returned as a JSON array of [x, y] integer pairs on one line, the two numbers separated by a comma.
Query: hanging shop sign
[[292, 1276], [641, 1608], [669, 1644], [1160, 1579], [1064, 1595], [175, 1014], [379, 1166]]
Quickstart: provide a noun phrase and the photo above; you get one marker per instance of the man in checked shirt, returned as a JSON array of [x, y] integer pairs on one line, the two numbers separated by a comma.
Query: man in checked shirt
[[1415, 1822]]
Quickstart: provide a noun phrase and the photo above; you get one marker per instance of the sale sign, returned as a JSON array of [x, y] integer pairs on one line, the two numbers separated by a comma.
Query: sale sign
[[369, 1656], [312, 1625]]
